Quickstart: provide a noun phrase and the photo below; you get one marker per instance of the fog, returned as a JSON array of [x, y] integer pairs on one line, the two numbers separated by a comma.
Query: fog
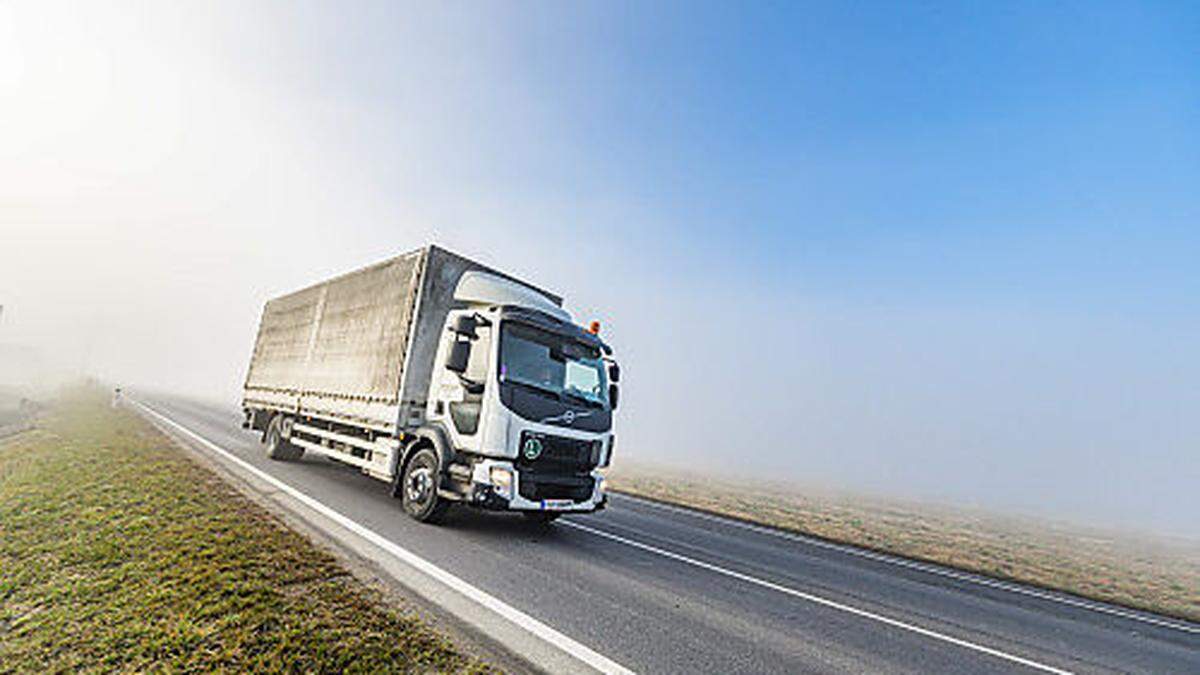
[[166, 170]]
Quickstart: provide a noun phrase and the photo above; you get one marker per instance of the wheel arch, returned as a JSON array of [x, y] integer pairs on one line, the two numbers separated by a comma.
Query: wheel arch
[[432, 437]]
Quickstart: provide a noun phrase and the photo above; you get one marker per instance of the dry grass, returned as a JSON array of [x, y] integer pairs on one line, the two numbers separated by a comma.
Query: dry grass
[[117, 553], [1154, 574]]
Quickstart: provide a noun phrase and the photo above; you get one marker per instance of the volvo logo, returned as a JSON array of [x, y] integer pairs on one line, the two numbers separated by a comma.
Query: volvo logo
[[532, 449], [568, 417]]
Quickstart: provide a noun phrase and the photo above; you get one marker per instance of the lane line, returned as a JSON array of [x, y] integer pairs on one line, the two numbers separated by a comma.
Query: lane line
[[579, 651], [930, 568], [1013, 658]]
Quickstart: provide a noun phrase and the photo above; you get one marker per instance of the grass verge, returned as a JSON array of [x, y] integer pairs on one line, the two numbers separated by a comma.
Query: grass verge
[[119, 553], [1155, 574]]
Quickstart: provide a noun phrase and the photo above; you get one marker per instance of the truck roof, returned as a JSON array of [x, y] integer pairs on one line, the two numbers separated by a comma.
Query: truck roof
[[425, 250], [360, 346]]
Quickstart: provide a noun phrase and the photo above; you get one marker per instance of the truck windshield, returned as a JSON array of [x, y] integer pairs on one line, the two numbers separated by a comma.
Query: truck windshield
[[552, 363]]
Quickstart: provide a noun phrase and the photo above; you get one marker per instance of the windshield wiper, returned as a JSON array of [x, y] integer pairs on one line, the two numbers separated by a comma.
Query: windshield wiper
[[536, 387]]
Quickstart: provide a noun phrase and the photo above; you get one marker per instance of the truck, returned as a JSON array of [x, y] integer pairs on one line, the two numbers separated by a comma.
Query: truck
[[456, 383]]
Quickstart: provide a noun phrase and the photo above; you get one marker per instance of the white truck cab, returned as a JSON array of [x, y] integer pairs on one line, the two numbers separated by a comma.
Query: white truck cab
[[525, 396]]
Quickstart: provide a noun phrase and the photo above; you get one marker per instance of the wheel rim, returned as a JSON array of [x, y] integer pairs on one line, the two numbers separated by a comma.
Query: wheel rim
[[419, 487]]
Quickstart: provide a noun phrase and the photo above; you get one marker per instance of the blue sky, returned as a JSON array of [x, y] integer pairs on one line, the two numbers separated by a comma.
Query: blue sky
[[934, 149], [968, 153], [939, 250]]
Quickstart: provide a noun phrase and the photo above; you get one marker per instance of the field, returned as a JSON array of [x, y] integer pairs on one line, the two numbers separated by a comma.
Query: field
[[119, 553], [1157, 574], [9, 416], [10, 412], [13, 421]]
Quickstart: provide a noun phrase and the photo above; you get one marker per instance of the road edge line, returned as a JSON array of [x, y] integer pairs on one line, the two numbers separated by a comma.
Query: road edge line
[[575, 649], [770, 585], [1061, 597]]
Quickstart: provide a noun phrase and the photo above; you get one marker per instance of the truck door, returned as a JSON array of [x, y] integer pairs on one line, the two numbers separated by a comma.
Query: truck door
[[460, 397]]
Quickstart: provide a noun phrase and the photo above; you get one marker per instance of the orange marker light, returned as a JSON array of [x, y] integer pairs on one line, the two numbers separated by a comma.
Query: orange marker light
[[594, 329]]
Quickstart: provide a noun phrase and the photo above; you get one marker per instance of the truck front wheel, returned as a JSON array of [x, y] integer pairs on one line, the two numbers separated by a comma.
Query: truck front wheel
[[278, 447], [419, 490]]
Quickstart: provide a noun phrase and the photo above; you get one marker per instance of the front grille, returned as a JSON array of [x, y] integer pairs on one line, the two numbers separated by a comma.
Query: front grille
[[559, 469], [557, 454], [536, 487]]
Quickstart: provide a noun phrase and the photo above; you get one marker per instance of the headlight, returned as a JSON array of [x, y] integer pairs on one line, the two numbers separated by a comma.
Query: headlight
[[502, 480]]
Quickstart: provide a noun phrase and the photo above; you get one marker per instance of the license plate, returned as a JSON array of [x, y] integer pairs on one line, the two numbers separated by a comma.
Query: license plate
[[556, 504]]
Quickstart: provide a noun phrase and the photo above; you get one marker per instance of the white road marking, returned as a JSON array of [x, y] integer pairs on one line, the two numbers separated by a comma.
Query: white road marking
[[535, 627], [817, 599], [929, 568]]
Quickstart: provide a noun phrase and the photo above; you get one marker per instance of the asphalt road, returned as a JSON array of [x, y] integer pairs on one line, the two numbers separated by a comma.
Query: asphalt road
[[664, 590]]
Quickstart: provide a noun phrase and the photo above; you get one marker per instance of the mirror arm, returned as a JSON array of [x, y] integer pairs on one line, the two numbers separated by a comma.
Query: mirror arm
[[472, 386]]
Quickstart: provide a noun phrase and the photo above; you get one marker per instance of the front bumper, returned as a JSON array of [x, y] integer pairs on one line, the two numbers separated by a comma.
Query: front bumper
[[515, 497]]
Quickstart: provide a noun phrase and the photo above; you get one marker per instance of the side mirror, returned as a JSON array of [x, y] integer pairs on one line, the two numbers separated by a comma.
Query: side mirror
[[614, 372], [612, 396], [465, 325], [460, 354]]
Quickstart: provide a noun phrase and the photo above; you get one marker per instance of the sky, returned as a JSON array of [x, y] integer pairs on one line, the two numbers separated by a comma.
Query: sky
[[934, 250]]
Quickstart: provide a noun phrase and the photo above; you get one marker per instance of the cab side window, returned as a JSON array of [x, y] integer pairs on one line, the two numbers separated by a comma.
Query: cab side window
[[465, 413]]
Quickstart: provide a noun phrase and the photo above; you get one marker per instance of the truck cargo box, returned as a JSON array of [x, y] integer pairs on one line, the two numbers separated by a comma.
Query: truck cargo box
[[359, 347]]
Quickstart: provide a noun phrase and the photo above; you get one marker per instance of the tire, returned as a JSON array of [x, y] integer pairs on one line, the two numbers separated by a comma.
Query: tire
[[541, 518], [419, 485], [277, 446]]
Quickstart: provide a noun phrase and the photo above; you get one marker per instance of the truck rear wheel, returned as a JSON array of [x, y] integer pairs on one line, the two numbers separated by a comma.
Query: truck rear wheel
[[277, 446], [419, 488]]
